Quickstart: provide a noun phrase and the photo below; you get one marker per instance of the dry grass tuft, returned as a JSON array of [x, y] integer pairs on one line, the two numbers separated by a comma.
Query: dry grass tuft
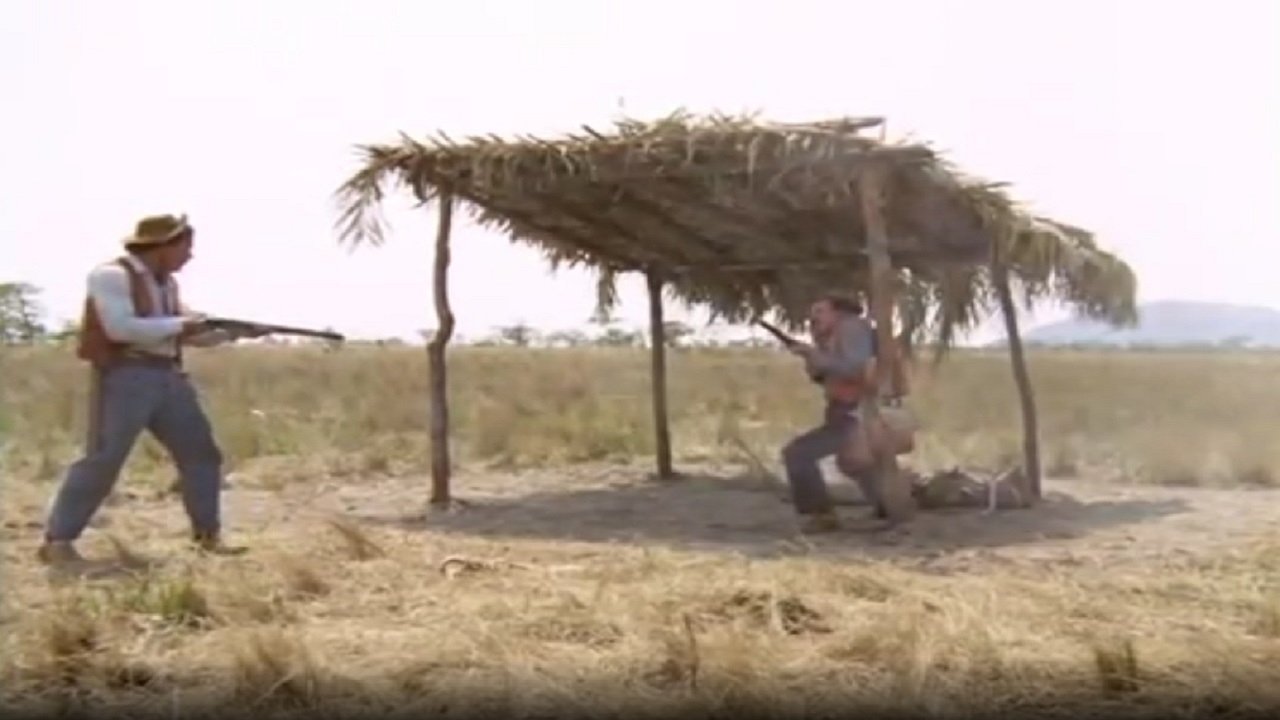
[[358, 544], [302, 577], [583, 631], [682, 660], [1267, 622], [1117, 666], [275, 669], [242, 599], [127, 556], [764, 610], [174, 601], [70, 636]]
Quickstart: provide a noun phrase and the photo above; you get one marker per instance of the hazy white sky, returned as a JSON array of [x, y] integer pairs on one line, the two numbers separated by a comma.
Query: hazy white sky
[[1152, 123]]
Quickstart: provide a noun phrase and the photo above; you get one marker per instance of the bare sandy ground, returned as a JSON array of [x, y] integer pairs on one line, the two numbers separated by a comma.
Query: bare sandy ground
[[713, 508], [716, 509]]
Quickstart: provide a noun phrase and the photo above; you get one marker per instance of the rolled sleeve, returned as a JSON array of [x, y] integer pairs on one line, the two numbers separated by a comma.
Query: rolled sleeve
[[109, 289]]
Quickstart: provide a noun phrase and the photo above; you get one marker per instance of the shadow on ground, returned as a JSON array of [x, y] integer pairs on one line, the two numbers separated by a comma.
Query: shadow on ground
[[747, 515]]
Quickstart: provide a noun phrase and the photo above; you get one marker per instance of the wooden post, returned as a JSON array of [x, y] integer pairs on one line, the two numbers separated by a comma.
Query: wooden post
[[658, 372], [1030, 424], [899, 505], [440, 463]]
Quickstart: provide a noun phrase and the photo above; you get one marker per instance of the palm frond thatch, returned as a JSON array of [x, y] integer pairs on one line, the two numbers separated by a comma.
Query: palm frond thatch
[[747, 217]]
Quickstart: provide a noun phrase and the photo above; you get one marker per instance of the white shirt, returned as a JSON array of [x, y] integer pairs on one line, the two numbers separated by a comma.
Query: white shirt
[[157, 334]]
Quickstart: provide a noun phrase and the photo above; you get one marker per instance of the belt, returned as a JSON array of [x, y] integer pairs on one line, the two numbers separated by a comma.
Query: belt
[[145, 360]]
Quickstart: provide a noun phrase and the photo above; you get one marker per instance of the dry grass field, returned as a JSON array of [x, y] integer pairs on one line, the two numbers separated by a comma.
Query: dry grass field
[[569, 583]]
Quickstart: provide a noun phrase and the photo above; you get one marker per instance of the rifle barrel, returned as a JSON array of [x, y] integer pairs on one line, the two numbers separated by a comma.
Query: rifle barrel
[[776, 332], [288, 330], [275, 329]]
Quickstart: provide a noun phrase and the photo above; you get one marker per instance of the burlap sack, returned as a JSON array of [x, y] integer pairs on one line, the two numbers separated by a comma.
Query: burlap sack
[[898, 428], [894, 432], [855, 454]]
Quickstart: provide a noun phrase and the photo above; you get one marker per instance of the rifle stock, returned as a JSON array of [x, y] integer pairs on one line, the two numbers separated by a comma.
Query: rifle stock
[[233, 325]]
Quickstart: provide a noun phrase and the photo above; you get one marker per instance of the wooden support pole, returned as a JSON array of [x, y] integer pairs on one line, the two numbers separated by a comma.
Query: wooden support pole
[[1026, 396], [440, 463], [899, 504], [658, 370]]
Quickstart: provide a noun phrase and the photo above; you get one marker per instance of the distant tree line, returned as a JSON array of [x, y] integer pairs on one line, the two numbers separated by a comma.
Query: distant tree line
[[23, 322], [676, 335], [22, 317]]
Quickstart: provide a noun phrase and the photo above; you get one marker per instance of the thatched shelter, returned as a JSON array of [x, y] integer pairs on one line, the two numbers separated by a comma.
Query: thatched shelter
[[748, 218]]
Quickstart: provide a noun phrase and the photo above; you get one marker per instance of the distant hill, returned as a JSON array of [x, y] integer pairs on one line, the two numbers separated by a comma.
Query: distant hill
[[1171, 323]]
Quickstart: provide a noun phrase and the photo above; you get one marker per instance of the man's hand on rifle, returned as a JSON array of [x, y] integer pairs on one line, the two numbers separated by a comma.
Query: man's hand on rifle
[[198, 323], [192, 324], [800, 349], [242, 331]]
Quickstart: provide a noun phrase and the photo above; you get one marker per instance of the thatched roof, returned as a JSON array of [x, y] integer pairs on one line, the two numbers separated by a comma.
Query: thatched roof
[[744, 216]]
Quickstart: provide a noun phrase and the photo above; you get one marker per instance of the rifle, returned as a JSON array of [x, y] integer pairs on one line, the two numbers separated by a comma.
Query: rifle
[[784, 338], [788, 341], [244, 326]]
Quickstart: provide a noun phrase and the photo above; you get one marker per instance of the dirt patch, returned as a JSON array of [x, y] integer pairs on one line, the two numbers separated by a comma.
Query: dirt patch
[[714, 509], [1077, 523]]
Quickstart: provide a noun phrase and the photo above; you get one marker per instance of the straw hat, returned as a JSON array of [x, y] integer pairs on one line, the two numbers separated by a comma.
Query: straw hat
[[157, 230]]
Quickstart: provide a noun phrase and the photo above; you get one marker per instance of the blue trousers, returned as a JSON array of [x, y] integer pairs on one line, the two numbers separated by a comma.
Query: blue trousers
[[134, 398], [801, 456]]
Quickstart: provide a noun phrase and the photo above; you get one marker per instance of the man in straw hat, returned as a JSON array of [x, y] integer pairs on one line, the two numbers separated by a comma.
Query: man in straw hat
[[132, 333], [843, 347]]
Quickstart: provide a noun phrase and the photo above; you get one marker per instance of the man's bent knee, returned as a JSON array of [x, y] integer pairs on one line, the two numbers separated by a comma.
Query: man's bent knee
[[195, 445], [209, 454], [789, 452], [96, 470]]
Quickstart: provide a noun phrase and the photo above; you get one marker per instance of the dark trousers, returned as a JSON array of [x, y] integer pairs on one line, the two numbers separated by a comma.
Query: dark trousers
[[134, 399], [801, 456]]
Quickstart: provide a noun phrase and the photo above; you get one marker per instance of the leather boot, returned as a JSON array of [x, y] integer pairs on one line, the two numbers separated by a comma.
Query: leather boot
[[59, 552], [212, 544], [825, 521]]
